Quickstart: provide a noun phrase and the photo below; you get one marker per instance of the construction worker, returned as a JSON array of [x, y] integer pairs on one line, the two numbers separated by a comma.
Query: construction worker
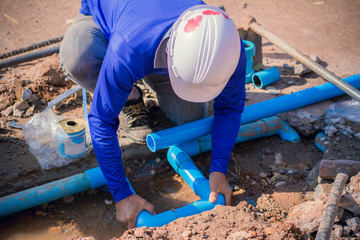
[[187, 52]]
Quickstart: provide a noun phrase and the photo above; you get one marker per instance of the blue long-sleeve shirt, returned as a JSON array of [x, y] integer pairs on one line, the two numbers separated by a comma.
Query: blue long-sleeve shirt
[[134, 29]]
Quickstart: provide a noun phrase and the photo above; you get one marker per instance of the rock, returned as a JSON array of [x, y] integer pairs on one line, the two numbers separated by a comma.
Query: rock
[[30, 111], [3, 88], [5, 100], [276, 176], [301, 69], [7, 112], [153, 172], [69, 199], [286, 66], [108, 202], [186, 234], [280, 184], [291, 82], [338, 230], [349, 203], [21, 105], [279, 160], [236, 188], [307, 215], [17, 113], [139, 232], [273, 92], [346, 231], [263, 175], [322, 191], [308, 120], [354, 224], [157, 159], [26, 94]]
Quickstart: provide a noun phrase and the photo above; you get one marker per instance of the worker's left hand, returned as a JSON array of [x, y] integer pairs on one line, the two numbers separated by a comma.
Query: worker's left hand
[[219, 184]]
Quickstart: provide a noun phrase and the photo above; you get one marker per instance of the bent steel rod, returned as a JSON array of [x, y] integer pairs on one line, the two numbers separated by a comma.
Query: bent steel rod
[[314, 66]]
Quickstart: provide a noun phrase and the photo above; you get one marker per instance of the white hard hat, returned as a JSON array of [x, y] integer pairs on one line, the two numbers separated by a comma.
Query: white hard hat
[[203, 52]]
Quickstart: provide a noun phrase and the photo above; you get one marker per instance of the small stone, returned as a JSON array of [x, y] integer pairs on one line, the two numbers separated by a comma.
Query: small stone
[[108, 202], [21, 105], [291, 82], [282, 171], [153, 172], [7, 112], [338, 230], [264, 182], [290, 172], [280, 184], [263, 175], [247, 177], [278, 158], [286, 66], [354, 224], [186, 234], [276, 176], [17, 113], [139, 232], [157, 159], [273, 92], [236, 188], [26, 94], [346, 231], [54, 230], [270, 231], [68, 199]]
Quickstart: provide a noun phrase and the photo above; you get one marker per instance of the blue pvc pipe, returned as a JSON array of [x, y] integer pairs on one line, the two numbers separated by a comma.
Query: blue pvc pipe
[[196, 129], [264, 78], [49, 192], [261, 128], [183, 164]]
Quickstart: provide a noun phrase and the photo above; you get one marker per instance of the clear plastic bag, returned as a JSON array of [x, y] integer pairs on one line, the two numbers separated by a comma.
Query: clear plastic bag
[[51, 144]]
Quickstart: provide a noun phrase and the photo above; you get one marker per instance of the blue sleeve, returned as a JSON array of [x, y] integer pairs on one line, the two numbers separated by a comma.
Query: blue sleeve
[[228, 107], [115, 81]]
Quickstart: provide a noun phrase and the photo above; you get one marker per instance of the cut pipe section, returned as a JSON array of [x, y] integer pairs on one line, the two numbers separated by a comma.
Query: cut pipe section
[[264, 78], [196, 129]]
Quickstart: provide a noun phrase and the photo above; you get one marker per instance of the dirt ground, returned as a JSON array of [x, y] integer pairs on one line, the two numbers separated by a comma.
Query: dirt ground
[[264, 193]]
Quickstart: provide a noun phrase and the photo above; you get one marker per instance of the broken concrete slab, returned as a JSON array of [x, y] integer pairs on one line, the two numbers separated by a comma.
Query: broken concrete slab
[[308, 120]]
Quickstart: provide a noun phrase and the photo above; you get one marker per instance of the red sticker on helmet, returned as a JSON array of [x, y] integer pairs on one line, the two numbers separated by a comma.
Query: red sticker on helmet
[[225, 16], [193, 23], [210, 12]]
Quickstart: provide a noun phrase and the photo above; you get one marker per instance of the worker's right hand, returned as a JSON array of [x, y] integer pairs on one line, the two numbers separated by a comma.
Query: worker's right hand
[[129, 208]]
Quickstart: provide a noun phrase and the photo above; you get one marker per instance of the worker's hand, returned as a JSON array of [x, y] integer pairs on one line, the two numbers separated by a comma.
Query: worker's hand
[[129, 208], [219, 184]]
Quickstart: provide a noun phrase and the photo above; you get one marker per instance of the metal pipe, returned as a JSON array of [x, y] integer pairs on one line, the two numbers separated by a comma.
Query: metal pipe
[[202, 127], [316, 67], [327, 221], [28, 57]]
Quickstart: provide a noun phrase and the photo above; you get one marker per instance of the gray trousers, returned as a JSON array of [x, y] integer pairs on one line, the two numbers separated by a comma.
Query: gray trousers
[[81, 55]]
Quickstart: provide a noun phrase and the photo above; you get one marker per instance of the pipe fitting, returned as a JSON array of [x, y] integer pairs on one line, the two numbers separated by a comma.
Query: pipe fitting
[[263, 78]]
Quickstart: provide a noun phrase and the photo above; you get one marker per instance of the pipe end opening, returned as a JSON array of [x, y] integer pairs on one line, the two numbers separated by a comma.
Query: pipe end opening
[[150, 141], [257, 81]]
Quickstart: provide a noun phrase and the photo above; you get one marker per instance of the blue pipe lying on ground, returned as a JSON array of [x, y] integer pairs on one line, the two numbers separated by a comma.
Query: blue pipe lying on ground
[[196, 129], [93, 178]]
